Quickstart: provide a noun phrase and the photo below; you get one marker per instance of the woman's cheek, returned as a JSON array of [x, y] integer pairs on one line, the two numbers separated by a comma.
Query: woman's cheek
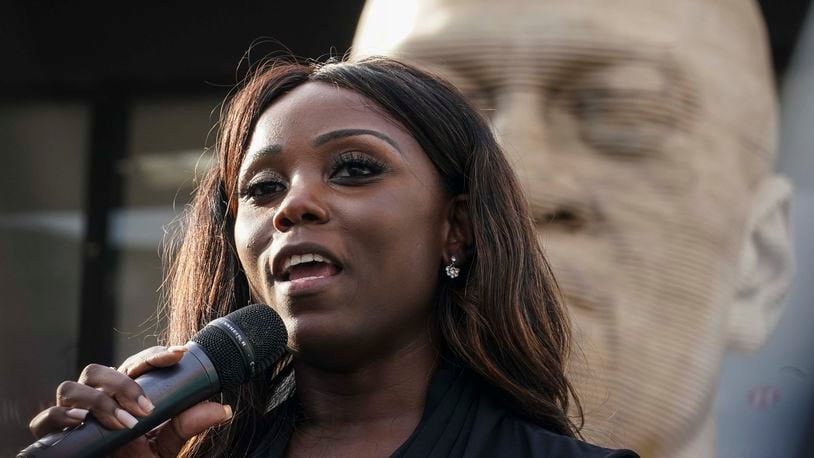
[[249, 242]]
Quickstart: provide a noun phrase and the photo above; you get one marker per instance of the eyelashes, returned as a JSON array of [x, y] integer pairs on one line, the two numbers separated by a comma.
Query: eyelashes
[[349, 168], [356, 164], [262, 187]]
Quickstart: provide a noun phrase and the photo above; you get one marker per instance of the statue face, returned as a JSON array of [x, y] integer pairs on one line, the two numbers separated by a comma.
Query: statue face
[[638, 129]]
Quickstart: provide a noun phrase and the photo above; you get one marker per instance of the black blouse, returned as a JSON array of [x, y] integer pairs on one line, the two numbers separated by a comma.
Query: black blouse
[[461, 419]]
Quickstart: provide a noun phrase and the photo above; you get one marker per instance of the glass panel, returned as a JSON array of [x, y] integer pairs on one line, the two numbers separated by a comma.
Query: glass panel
[[41, 229], [166, 142]]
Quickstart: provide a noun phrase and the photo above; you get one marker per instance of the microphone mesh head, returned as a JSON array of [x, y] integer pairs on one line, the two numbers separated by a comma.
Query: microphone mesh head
[[264, 330]]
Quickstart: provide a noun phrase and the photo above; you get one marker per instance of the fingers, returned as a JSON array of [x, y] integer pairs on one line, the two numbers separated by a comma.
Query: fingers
[[193, 421], [127, 393], [56, 418], [109, 412], [151, 358], [111, 395]]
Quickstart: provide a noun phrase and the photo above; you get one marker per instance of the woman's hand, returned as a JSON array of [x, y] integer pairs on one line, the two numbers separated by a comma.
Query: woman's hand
[[117, 402]]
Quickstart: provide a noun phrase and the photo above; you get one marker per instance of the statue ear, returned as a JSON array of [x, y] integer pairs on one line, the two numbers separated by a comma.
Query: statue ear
[[765, 268]]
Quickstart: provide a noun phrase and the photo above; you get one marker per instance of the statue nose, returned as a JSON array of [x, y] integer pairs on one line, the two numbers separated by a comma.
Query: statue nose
[[551, 174], [519, 123], [560, 209]]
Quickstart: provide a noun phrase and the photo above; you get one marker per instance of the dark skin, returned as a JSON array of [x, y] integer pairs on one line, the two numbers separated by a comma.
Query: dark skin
[[368, 412], [327, 173]]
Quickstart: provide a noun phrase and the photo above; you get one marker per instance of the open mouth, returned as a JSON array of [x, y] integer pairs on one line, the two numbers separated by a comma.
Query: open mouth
[[308, 266]]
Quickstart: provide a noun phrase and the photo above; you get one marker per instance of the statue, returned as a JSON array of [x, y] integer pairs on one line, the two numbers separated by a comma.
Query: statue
[[644, 133]]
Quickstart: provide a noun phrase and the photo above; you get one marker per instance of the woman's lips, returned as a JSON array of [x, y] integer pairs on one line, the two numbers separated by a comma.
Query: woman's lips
[[308, 278], [312, 270]]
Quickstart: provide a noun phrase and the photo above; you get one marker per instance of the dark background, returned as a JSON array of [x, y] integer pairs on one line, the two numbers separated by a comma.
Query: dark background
[[76, 48]]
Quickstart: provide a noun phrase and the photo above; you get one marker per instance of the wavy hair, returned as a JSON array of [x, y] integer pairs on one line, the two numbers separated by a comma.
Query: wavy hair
[[504, 320]]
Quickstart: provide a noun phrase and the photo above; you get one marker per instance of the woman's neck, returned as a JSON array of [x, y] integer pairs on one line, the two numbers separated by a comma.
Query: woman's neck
[[378, 404]]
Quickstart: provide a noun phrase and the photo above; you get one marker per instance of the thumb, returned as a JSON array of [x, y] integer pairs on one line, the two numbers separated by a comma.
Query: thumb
[[174, 434]]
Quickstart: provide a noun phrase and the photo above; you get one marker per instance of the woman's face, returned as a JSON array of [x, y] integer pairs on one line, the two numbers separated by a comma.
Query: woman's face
[[341, 226]]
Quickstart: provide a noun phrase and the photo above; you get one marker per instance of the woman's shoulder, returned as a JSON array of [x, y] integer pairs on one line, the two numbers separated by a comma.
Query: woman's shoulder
[[518, 437], [464, 418], [501, 432]]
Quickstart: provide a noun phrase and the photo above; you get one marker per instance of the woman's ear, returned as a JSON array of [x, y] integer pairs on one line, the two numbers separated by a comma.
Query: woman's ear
[[458, 235]]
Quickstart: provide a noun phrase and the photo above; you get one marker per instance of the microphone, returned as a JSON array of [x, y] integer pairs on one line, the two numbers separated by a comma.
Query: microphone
[[221, 356]]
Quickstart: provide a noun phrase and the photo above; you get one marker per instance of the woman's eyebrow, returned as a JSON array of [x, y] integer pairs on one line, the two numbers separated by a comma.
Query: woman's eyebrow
[[342, 133], [264, 151]]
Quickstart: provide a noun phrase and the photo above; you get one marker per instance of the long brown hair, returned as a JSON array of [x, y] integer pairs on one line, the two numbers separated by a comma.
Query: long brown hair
[[504, 320]]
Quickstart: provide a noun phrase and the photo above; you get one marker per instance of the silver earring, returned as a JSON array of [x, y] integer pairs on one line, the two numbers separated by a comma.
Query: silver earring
[[452, 271]]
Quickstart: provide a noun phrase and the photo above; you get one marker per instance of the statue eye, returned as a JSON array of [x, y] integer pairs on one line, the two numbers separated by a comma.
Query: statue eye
[[631, 109]]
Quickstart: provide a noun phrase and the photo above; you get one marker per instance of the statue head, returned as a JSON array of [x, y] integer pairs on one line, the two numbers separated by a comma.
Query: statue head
[[644, 133]]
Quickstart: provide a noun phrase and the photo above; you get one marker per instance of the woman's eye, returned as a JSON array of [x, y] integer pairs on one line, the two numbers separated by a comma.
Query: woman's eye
[[356, 165], [353, 169], [262, 189]]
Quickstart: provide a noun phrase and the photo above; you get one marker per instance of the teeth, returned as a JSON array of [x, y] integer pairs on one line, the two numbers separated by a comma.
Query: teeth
[[302, 259]]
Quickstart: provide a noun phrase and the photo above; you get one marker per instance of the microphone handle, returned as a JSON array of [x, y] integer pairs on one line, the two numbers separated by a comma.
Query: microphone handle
[[171, 389]]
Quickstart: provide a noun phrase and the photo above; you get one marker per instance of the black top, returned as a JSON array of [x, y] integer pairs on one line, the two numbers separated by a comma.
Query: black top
[[460, 419]]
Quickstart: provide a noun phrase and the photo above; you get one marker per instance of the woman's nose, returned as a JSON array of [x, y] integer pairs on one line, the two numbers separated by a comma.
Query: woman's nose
[[304, 203]]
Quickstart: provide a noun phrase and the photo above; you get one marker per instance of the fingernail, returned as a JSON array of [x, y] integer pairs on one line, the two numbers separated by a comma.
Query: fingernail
[[76, 413], [227, 411], [125, 418], [177, 349], [145, 404]]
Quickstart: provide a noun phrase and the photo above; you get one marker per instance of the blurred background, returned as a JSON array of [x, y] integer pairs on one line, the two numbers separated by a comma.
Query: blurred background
[[106, 113]]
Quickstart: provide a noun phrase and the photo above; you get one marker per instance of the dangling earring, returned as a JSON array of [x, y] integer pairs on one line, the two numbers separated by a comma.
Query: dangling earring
[[452, 271]]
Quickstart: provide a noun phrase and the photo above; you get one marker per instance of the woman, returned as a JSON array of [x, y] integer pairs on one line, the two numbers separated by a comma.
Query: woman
[[371, 207]]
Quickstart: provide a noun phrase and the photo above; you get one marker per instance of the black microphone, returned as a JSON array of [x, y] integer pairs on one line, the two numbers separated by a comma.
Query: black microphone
[[224, 354]]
